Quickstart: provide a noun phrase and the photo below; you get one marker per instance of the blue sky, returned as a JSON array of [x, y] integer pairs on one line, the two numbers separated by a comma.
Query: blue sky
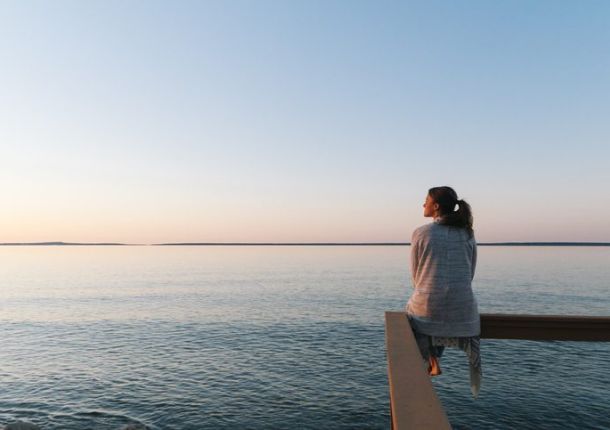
[[302, 121]]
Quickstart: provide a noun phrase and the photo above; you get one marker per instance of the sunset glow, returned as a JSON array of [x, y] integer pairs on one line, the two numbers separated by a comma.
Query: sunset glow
[[147, 122]]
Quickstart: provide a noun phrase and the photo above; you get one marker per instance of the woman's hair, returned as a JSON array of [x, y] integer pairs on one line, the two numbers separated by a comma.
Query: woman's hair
[[447, 199]]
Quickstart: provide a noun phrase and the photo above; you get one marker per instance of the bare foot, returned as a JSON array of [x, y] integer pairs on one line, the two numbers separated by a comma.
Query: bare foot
[[434, 366]]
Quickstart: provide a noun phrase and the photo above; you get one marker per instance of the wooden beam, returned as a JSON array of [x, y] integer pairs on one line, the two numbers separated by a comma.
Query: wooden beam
[[545, 327], [413, 401]]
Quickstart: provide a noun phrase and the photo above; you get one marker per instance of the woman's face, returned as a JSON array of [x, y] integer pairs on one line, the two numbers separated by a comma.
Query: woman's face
[[430, 207]]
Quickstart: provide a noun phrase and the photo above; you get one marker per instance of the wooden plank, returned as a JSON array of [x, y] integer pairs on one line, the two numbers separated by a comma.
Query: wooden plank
[[413, 401], [545, 327]]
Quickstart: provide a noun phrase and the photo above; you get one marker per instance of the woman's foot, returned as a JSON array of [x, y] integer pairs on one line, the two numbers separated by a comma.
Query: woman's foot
[[434, 366]]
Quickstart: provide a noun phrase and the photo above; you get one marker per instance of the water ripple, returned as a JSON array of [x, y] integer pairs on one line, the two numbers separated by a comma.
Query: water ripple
[[176, 339]]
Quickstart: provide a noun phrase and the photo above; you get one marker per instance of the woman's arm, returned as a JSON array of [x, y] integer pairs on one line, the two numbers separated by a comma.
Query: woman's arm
[[474, 258], [414, 257]]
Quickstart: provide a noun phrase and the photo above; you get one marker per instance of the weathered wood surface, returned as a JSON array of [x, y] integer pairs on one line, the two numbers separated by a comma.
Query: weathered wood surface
[[545, 327], [413, 401]]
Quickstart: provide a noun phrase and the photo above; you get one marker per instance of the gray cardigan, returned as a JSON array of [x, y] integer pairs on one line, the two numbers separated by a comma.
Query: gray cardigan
[[443, 261]]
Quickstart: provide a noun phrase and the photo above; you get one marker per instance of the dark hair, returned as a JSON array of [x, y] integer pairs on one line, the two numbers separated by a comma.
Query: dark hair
[[447, 199]]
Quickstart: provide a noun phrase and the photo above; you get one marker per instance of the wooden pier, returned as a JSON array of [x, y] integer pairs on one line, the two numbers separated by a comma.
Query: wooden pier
[[414, 404]]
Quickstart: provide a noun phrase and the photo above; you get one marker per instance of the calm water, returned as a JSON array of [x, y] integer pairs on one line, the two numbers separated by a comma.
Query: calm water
[[277, 337]]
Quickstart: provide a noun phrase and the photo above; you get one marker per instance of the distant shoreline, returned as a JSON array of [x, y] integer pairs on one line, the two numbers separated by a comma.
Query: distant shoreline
[[64, 244], [299, 244]]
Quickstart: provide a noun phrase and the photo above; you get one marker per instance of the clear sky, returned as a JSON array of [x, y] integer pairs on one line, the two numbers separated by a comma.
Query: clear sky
[[146, 121]]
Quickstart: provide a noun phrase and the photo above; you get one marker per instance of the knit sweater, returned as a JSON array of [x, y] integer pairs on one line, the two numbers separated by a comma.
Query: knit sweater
[[443, 261]]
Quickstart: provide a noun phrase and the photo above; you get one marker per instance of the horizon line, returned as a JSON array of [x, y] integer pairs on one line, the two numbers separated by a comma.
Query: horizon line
[[520, 243]]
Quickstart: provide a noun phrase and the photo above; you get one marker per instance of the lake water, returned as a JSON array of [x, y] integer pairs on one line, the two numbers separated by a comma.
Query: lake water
[[278, 337]]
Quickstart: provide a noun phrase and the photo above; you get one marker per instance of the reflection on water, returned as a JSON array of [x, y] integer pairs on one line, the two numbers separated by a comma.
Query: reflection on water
[[276, 337]]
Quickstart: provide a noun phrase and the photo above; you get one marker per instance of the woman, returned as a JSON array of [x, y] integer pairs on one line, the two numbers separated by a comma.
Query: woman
[[442, 309]]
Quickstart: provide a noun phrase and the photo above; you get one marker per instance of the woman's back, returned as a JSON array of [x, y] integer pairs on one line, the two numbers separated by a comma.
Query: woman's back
[[443, 261]]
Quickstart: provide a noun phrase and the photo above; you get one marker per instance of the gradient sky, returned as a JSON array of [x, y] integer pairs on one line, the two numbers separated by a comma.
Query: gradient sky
[[147, 121]]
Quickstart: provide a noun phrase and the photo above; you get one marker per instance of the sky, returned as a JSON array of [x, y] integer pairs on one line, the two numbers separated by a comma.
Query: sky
[[302, 121]]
